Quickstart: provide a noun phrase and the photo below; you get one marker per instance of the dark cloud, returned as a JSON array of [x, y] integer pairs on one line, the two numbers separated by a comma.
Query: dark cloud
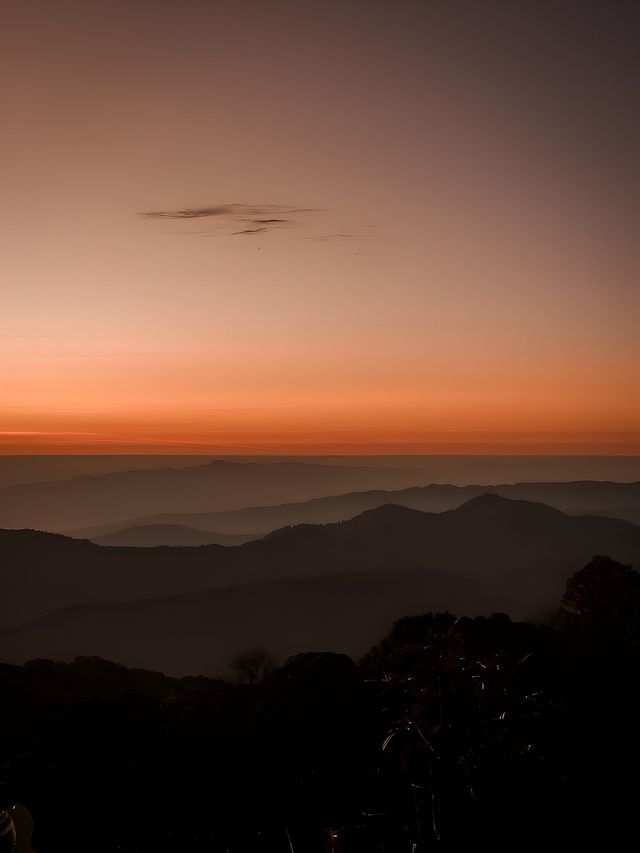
[[328, 237], [189, 212], [245, 211], [247, 219], [271, 221], [250, 231]]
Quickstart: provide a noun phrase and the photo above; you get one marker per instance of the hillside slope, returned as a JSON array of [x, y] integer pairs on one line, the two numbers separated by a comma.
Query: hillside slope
[[487, 537]]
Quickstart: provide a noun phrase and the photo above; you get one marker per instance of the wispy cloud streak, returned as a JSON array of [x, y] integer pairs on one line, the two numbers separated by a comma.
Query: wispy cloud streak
[[238, 219]]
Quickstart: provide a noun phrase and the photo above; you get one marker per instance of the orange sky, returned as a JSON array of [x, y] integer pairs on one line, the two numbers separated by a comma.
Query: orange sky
[[457, 270]]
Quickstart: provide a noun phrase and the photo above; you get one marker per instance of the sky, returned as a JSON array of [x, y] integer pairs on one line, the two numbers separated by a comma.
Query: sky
[[346, 226]]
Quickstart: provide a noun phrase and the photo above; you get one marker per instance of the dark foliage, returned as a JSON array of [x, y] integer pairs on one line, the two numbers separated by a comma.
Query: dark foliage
[[450, 735]]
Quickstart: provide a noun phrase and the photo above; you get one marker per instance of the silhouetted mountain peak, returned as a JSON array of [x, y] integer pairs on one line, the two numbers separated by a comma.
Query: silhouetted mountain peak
[[391, 514], [387, 515], [491, 504]]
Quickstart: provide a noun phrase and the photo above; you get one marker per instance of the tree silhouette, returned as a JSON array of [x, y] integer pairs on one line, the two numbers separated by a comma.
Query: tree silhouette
[[600, 615], [252, 665]]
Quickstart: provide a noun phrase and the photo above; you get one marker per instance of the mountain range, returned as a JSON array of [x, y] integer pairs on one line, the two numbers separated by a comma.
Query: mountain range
[[335, 580], [92, 500], [615, 500]]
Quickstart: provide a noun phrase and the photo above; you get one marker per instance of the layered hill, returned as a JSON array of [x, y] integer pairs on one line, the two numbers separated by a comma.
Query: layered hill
[[201, 633], [516, 552], [613, 500], [216, 486]]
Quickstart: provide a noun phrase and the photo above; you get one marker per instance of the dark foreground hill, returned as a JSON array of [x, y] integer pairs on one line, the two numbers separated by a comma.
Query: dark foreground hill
[[449, 735], [92, 500], [613, 500], [337, 583]]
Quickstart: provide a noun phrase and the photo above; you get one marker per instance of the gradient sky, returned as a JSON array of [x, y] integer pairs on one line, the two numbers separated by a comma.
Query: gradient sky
[[458, 266]]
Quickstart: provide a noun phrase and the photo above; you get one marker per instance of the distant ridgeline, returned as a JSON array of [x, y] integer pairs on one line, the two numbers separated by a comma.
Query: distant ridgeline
[[231, 498], [613, 500]]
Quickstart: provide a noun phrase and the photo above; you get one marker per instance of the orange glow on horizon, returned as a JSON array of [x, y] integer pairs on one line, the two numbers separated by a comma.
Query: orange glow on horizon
[[541, 411], [304, 440], [584, 446]]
